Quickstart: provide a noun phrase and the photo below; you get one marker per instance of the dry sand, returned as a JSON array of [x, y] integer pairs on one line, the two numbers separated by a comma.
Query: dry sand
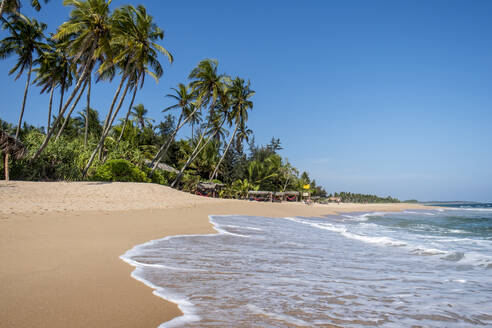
[[60, 245]]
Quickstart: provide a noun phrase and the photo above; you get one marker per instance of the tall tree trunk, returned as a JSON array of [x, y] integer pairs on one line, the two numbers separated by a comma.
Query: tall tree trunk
[[223, 155], [163, 150], [2, 7], [192, 130], [87, 70], [62, 91], [105, 132], [71, 111], [193, 156], [127, 116], [110, 112], [24, 101], [87, 111], [6, 165], [188, 162], [50, 106]]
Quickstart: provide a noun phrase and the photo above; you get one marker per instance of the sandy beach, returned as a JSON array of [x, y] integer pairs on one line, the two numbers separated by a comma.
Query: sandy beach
[[60, 245]]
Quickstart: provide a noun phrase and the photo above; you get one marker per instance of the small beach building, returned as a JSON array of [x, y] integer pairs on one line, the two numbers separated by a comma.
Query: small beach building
[[208, 189], [260, 196]]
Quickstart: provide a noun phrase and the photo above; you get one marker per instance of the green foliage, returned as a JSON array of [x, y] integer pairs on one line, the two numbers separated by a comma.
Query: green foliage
[[348, 197], [119, 170], [61, 160]]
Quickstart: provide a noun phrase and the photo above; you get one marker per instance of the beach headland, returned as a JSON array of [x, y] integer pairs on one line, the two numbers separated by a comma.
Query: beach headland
[[60, 245]]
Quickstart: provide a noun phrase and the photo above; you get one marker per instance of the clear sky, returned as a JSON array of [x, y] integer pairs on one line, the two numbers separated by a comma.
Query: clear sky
[[385, 97]]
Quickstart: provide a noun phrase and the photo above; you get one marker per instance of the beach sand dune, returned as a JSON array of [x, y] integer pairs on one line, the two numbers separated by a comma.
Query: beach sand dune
[[60, 245]]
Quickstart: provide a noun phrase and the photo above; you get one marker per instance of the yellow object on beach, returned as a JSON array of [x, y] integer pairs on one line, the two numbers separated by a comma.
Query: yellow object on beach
[[306, 186]]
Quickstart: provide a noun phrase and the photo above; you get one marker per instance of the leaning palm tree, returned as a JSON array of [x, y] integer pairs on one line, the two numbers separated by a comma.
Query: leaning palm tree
[[240, 94], [206, 84], [184, 99], [214, 127], [86, 35], [25, 39], [134, 35]]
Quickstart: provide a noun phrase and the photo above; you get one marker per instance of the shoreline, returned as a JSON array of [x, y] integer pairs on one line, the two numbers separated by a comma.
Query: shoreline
[[50, 243]]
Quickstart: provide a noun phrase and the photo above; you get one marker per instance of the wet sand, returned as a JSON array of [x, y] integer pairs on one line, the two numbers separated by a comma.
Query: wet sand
[[60, 245]]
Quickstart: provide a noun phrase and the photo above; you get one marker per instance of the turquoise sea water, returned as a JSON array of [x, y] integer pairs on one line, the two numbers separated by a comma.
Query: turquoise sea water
[[429, 268]]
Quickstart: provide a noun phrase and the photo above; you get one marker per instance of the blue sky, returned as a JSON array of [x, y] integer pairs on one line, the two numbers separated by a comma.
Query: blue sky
[[385, 97]]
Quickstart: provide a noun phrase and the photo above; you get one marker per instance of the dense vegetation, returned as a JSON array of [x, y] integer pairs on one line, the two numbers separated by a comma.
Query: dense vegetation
[[348, 197], [97, 45]]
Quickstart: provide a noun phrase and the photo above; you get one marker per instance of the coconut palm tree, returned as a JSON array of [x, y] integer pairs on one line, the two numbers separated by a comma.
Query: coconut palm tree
[[213, 127], [206, 82], [86, 36], [184, 99], [138, 115], [55, 69], [134, 36], [25, 40], [240, 103], [13, 6]]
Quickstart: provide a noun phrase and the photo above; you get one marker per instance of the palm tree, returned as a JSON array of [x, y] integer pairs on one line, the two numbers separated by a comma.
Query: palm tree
[[134, 36], [12, 6], [184, 99], [86, 35], [240, 94], [138, 115], [25, 39], [208, 85], [213, 127], [206, 82], [55, 69]]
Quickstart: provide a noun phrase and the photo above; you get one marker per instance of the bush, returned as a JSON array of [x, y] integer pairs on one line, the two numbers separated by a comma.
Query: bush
[[61, 160], [119, 170]]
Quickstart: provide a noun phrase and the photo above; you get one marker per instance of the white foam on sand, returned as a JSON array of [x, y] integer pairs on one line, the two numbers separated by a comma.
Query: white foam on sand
[[183, 304]]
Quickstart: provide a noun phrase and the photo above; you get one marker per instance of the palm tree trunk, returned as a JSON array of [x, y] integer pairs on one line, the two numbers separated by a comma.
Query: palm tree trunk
[[71, 111], [192, 130], [62, 91], [86, 71], [50, 106], [2, 7], [188, 162], [223, 155], [105, 132], [127, 116], [24, 101], [163, 150], [87, 112], [6, 165], [108, 117]]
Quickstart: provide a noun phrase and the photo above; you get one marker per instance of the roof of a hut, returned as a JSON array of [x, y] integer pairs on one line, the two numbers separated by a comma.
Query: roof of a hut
[[209, 185], [163, 167], [259, 192], [12, 146]]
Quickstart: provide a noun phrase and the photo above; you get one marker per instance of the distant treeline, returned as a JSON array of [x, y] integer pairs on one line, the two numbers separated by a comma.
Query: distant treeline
[[348, 197]]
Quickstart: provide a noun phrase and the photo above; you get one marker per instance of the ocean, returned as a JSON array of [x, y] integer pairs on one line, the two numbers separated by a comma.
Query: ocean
[[422, 268]]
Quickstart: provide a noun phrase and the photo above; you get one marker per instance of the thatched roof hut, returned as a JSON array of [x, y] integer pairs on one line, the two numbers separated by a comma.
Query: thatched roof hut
[[208, 188], [163, 167], [10, 146]]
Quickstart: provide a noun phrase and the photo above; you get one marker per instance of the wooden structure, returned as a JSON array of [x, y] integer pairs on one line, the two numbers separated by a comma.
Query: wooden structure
[[208, 189], [334, 199], [289, 196], [10, 146], [260, 196]]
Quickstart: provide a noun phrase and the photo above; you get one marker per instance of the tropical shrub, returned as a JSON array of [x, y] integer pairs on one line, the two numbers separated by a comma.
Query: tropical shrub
[[119, 170]]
